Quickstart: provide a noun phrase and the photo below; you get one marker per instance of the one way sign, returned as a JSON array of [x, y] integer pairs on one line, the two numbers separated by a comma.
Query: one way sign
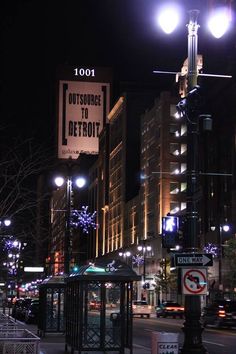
[[190, 259]]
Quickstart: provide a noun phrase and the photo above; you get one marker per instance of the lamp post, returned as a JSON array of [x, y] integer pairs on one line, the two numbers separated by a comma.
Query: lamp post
[[144, 249], [80, 183], [221, 229], [190, 108], [126, 255]]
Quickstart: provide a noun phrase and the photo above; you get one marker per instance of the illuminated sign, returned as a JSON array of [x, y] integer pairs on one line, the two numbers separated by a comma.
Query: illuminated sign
[[83, 110], [170, 224], [170, 228], [34, 269]]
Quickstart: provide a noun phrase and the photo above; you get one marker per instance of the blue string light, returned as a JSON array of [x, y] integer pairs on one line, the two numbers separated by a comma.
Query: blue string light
[[212, 249], [84, 219], [138, 259]]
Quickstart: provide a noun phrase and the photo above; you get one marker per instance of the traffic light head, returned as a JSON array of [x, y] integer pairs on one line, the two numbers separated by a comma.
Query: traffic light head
[[170, 228]]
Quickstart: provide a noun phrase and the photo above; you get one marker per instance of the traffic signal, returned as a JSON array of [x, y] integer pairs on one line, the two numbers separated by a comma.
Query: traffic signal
[[170, 229], [75, 269]]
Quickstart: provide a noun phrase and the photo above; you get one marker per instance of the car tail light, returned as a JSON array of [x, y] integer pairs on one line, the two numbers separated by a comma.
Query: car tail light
[[221, 313], [169, 308]]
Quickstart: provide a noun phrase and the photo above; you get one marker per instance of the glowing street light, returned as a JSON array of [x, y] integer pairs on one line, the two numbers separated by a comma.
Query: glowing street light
[[126, 255], [219, 22], [169, 17], [59, 181], [144, 249], [80, 182]]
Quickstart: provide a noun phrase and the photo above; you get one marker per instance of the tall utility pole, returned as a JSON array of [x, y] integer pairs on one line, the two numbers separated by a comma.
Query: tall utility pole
[[192, 326], [67, 234]]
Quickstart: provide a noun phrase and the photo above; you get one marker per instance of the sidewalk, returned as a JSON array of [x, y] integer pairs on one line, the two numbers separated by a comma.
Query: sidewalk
[[55, 343], [49, 346]]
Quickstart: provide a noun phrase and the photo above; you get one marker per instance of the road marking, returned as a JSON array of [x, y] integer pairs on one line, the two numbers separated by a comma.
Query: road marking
[[141, 346], [220, 345]]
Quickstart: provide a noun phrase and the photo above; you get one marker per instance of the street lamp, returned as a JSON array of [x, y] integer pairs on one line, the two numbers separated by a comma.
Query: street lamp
[[59, 182], [190, 108], [5, 222], [144, 249], [126, 255], [221, 229]]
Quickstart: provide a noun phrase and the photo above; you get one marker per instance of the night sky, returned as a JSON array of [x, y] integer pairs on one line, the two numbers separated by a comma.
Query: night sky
[[37, 36]]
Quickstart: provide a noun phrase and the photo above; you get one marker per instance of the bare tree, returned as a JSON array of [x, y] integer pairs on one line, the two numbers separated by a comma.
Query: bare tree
[[20, 167]]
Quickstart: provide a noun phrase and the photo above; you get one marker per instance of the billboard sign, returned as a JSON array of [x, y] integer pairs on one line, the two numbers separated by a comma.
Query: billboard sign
[[83, 109]]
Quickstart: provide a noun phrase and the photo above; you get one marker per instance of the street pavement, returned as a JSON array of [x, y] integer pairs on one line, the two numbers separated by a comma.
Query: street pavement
[[55, 343]]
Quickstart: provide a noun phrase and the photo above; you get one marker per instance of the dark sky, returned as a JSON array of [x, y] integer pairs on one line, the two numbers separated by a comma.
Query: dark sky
[[37, 36]]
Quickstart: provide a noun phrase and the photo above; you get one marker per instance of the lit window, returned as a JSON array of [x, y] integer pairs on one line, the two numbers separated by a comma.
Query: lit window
[[174, 149], [174, 168], [183, 131], [174, 207], [173, 128], [178, 115], [177, 134], [183, 167], [183, 186], [183, 149], [172, 110], [174, 187], [183, 206]]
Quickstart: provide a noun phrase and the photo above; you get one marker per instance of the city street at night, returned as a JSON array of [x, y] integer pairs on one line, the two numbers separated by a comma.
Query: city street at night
[[118, 176]]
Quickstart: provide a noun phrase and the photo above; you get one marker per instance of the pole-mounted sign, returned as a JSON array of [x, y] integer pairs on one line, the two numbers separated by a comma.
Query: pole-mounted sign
[[170, 228], [194, 281], [197, 259]]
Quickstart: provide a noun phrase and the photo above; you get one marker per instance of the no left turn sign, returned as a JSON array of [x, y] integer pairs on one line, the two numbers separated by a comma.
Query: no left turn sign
[[194, 281]]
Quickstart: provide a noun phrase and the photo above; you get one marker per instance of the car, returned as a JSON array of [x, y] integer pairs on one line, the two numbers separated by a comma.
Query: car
[[94, 305], [20, 307], [31, 315], [170, 308], [141, 308], [220, 313]]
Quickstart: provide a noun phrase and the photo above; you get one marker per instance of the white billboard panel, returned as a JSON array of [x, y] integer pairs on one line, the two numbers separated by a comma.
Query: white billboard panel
[[83, 109]]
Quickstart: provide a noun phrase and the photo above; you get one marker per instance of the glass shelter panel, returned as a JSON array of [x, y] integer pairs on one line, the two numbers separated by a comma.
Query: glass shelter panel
[[113, 315], [55, 309], [92, 307]]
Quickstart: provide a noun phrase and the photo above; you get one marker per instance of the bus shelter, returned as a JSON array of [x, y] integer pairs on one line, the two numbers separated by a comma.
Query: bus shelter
[[98, 306], [51, 305]]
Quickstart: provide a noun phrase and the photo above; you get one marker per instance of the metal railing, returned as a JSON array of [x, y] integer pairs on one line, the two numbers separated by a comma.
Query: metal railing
[[18, 341]]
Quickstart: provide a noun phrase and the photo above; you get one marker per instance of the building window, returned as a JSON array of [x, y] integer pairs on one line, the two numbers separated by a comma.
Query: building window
[[174, 207], [183, 149], [183, 206], [174, 149], [174, 187], [174, 113], [183, 167], [183, 131], [183, 186], [174, 168], [173, 129]]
